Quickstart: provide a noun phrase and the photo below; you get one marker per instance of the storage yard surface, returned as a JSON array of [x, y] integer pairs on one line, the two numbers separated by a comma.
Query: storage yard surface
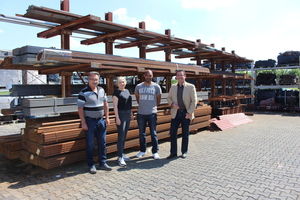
[[259, 160]]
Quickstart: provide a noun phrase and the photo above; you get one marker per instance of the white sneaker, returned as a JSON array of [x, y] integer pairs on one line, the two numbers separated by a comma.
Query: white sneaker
[[121, 162], [140, 154], [156, 156], [126, 158]]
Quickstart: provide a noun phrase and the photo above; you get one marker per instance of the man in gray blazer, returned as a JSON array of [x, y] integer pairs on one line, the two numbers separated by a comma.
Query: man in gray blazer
[[182, 98]]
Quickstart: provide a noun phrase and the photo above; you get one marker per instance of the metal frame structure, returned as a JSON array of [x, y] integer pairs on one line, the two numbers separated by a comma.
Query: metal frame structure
[[63, 23]]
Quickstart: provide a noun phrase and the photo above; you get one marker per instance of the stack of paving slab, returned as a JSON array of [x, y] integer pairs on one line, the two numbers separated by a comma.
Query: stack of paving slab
[[224, 122]]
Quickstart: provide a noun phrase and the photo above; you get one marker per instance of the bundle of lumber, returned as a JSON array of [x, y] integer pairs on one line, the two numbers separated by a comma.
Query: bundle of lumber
[[228, 110], [10, 146], [53, 142]]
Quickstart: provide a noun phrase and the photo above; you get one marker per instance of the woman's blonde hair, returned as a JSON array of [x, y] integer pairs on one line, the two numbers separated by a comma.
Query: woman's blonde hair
[[120, 79]]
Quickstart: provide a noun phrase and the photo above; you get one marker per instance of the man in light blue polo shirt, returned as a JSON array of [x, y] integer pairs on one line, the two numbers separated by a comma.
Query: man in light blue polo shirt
[[92, 106]]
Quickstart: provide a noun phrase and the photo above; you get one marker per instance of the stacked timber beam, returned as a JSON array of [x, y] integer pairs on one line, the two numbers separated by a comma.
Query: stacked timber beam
[[50, 106], [53, 142], [111, 62], [51, 61], [10, 146]]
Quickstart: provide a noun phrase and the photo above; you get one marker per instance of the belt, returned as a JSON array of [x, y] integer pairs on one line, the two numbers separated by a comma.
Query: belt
[[94, 118], [179, 110]]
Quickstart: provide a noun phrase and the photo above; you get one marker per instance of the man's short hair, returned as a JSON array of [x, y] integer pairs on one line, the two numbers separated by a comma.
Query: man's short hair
[[180, 70], [93, 72], [148, 71]]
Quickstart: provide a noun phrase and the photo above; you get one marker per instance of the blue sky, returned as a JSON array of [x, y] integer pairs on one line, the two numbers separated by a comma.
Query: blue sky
[[255, 29]]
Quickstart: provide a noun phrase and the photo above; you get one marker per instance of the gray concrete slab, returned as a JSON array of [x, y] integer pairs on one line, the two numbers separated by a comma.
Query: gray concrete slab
[[259, 160]]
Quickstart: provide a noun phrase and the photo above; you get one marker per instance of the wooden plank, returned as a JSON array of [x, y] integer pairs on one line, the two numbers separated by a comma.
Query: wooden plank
[[63, 159], [83, 57], [13, 145], [6, 139], [53, 149], [12, 154]]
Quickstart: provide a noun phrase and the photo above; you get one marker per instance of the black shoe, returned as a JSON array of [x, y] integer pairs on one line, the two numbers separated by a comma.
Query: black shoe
[[172, 156], [105, 167], [183, 155]]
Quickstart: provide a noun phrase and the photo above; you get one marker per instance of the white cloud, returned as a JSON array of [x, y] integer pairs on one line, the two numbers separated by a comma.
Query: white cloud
[[1, 31], [151, 24], [121, 13], [207, 4]]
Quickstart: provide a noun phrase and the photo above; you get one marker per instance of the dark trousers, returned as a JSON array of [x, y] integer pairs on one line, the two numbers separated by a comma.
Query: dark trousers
[[142, 122], [125, 117], [185, 125], [96, 128]]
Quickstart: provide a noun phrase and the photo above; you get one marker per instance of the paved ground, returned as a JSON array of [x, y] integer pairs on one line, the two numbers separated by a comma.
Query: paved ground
[[260, 160]]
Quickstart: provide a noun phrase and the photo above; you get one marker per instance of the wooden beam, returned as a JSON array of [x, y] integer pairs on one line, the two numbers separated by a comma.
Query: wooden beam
[[74, 25], [83, 57], [117, 71], [55, 70], [202, 54], [136, 43], [114, 36], [169, 47]]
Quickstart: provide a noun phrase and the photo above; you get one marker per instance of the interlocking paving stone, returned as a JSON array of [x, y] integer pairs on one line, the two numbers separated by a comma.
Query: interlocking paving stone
[[259, 160]]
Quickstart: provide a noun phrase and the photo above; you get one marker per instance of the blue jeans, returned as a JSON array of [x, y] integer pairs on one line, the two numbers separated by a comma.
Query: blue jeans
[[96, 127], [185, 125], [142, 120], [125, 117]]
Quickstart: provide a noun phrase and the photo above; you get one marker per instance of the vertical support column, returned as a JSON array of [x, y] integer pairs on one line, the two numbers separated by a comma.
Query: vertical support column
[[198, 63], [253, 75], [233, 64], [168, 50], [168, 83], [65, 44], [199, 84], [168, 54], [233, 85], [142, 47], [109, 84], [142, 50], [24, 77], [198, 80], [212, 84], [224, 86], [109, 42], [223, 64]]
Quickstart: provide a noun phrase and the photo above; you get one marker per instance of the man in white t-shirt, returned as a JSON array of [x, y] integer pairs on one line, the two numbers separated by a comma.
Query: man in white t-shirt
[[148, 96]]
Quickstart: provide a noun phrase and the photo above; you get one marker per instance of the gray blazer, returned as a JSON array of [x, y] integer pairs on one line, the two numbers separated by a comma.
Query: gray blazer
[[189, 98]]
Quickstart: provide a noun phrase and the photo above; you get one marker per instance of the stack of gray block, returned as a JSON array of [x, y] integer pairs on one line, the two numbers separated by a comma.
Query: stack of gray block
[[26, 55]]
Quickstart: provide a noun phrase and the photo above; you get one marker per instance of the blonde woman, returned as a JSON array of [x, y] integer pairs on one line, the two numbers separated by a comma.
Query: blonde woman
[[122, 102]]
